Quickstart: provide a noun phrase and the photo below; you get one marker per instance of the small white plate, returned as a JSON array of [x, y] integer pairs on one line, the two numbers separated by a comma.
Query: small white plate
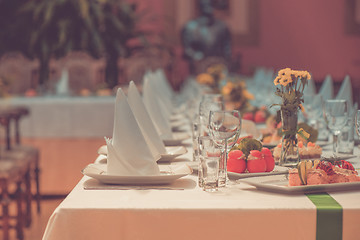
[[172, 152], [279, 184], [169, 173], [177, 138]]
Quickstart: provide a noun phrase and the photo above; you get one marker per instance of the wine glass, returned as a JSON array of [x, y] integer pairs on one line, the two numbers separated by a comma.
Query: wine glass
[[336, 116], [224, 128]]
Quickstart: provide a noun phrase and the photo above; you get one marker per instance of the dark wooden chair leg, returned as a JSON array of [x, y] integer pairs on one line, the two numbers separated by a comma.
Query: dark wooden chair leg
[[20, 215], [28, 198], [37, 182], [5, 201]]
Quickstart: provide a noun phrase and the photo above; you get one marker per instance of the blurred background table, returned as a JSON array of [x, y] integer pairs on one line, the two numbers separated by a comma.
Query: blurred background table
[[67, 131]]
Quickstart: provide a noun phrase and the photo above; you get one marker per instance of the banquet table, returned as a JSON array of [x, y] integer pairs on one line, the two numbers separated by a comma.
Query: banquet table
[[65, 117], [239, 211]]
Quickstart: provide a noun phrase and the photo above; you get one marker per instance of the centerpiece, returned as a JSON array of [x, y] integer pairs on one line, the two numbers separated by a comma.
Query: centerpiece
[[290, 87]]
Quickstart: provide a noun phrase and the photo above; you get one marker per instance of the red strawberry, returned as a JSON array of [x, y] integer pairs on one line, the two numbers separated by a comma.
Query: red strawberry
[[255, 162], [236, 162], [260, 116], [269, 159], [248, 116]]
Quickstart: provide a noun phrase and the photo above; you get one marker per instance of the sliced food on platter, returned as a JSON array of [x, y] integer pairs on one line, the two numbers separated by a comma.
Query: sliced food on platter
[[311, 176], [167, 175]]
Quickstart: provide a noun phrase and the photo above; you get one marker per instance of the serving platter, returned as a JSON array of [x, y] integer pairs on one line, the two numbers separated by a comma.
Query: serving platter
[[279, 184]]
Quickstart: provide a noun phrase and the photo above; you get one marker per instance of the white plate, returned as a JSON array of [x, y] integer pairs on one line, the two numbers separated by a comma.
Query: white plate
[[176, 139], [270, 145], [172, 152], [279, 183], [233, 176], [169, 174], [276, 171]]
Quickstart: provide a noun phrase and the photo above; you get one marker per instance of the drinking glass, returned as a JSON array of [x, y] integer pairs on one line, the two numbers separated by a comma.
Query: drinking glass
[[209, 102], [357, 122], [224, 128], [336, 116], [210, 155]]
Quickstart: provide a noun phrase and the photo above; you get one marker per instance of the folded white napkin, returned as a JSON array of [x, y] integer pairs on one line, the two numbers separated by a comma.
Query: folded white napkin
[[62, 86], [156, 110], [327, 88], [128, 152], [345, 91], [157, 85], [147, 127]]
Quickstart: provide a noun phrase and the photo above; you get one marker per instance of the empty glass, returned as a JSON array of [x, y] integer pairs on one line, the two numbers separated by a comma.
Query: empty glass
[[336, 117], [224, 129], [357, 122], [209, 157], [209, 102]]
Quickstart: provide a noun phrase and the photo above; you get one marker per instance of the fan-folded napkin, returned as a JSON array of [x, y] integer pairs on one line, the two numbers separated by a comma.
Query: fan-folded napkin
[[345, 91], [156, 110], [147, 127], [128, 152]]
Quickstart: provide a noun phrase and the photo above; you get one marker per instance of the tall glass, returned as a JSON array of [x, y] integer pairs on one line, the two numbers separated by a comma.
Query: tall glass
[[209, 102], [336, 116], [224, 128], [357, 122]]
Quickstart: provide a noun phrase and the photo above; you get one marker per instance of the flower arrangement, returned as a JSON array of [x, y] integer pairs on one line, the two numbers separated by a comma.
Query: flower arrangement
[[292, 84], [236, 93], [213, 75]]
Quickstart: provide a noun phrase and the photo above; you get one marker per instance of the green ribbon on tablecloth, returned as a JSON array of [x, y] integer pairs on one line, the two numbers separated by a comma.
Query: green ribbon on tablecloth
[[329, 217]]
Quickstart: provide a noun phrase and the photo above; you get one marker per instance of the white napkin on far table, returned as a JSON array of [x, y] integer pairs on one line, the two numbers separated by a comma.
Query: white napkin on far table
[[128, 152], [345, 91], [146, 125], [327, 89]]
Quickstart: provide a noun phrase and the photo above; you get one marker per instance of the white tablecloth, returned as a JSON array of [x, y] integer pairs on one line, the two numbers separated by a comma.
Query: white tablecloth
[[237, 212], [65, 116]]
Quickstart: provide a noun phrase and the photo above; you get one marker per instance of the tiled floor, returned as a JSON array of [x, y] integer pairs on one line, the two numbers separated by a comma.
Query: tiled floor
[[39, 221]]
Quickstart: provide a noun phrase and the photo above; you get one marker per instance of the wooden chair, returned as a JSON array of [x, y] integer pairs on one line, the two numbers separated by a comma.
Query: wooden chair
[[14, 170]]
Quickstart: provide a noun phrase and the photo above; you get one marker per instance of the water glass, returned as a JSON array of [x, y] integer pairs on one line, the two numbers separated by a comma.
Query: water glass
[[195, 132], [209, 102], [357, 122], [346, 137], [209, 164], [336, 117]]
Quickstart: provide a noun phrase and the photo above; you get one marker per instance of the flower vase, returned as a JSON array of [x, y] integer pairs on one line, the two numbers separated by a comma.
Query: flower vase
[[289, 145]]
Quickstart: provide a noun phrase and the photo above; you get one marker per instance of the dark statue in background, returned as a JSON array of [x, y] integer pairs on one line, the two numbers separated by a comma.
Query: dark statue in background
[[205, 36]]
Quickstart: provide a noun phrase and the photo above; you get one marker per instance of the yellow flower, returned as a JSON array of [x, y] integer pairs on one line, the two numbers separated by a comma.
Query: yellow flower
[[285, 80], [302, 108], [205, 78], [277, 81], [284, 72], [306, 74], [226, 90]]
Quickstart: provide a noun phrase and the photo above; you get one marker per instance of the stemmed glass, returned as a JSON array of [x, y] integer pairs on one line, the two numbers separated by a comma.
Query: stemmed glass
[[224, 128], [336, 116]]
